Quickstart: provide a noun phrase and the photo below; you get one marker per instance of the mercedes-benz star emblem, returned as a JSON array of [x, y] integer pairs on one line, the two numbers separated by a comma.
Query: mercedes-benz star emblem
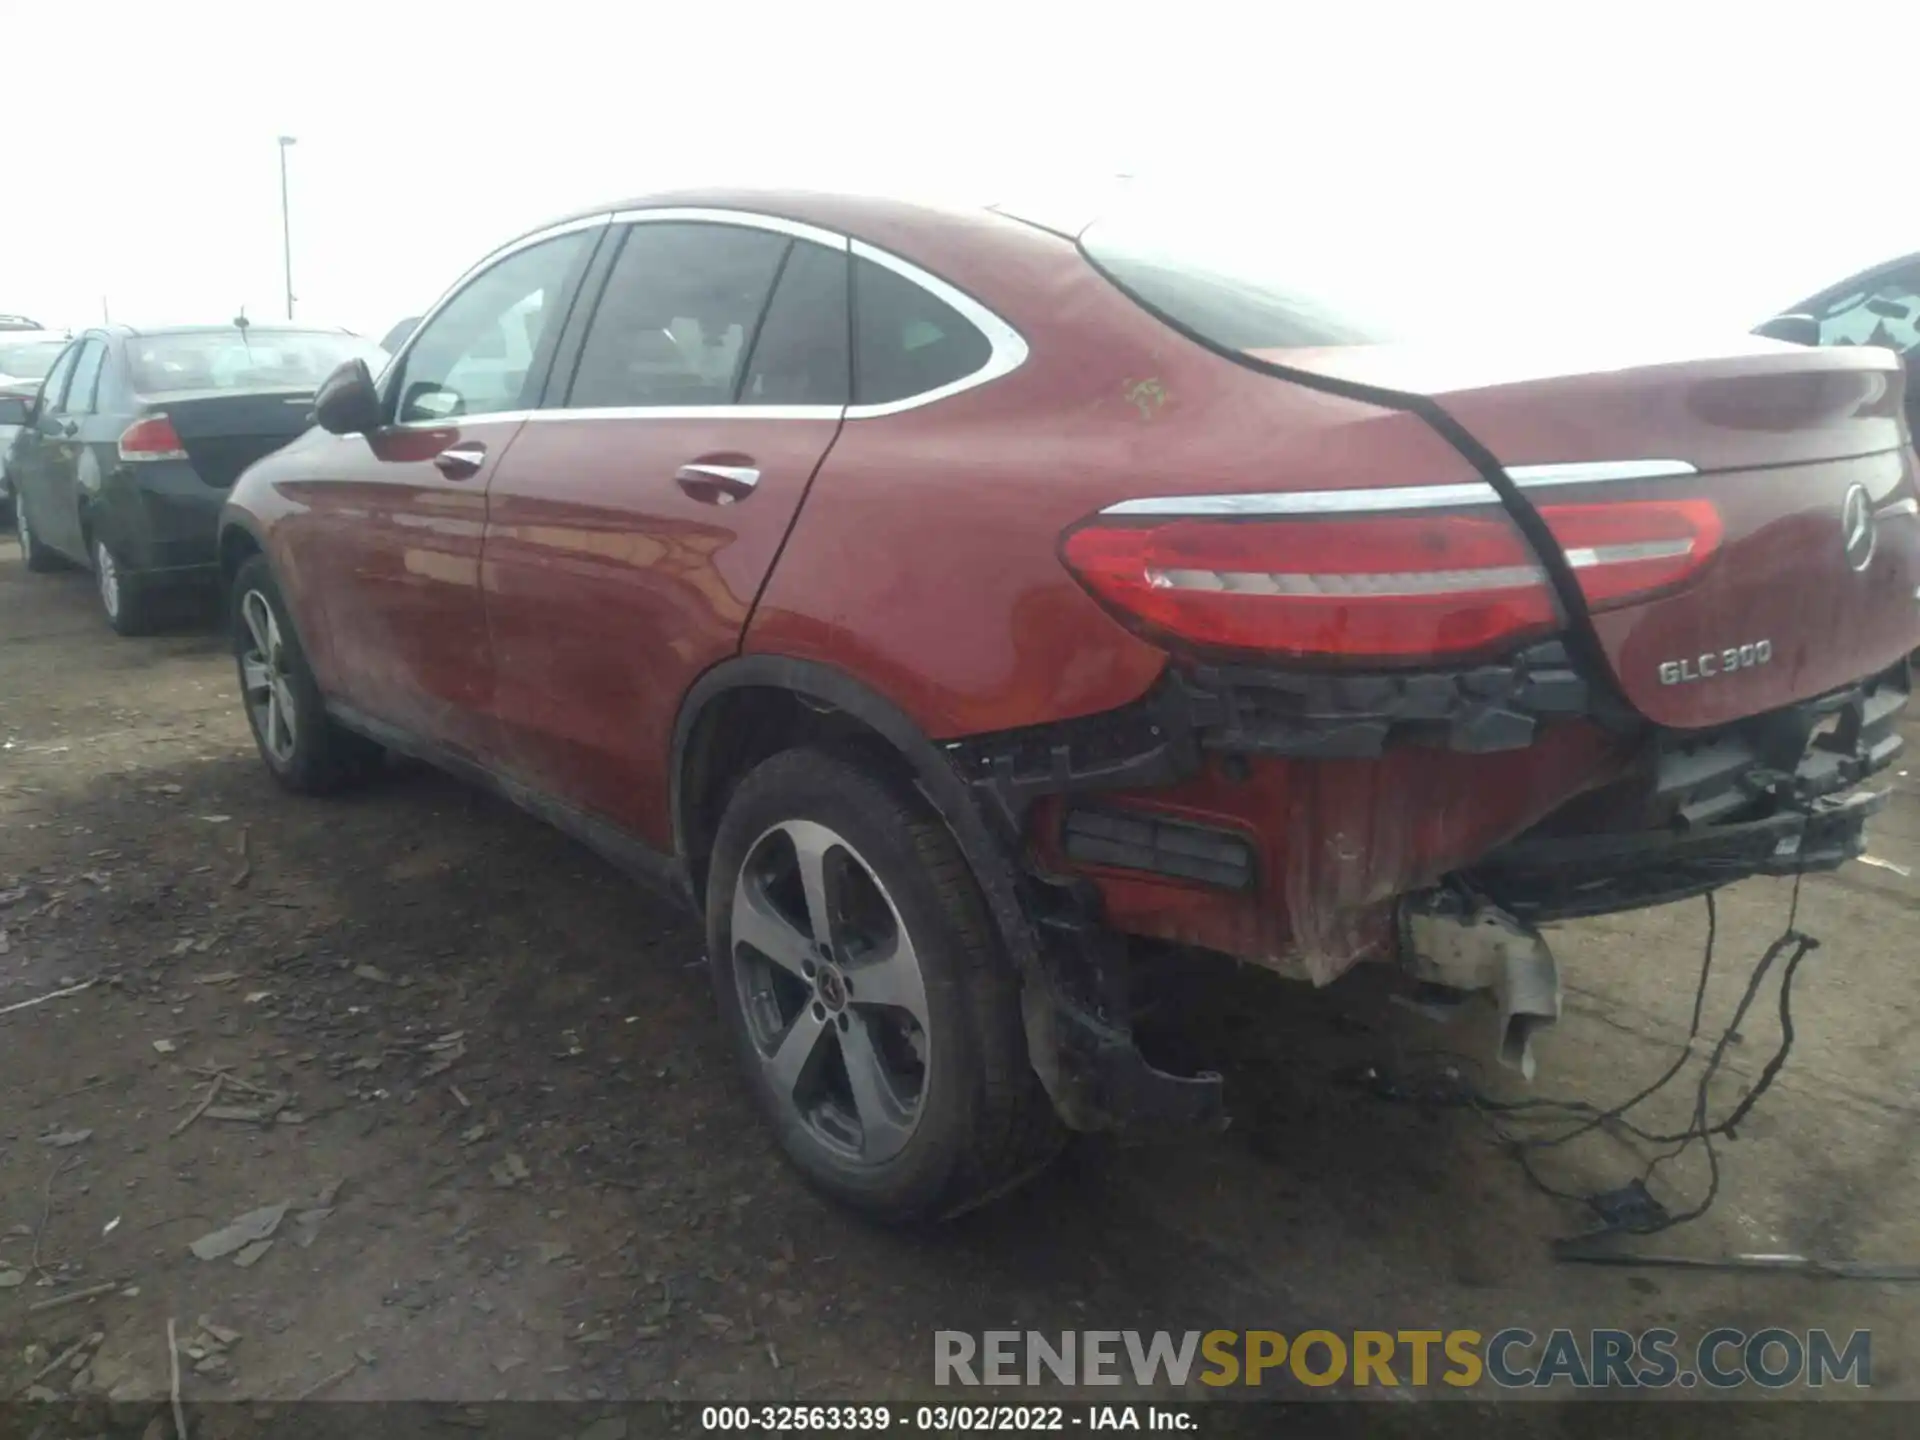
[[1856, 528]]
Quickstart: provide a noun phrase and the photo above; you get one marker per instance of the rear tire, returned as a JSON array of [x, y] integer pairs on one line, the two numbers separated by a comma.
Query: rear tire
[[910, 991], [127, 599], [303, 747]]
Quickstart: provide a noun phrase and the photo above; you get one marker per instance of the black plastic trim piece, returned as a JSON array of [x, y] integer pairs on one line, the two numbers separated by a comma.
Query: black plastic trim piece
[[1770, 795], [1238, 710], [1158, 844], [663, 872]]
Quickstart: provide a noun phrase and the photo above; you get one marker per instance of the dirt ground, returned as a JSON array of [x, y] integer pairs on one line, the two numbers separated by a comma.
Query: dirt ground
[[483, 1069]]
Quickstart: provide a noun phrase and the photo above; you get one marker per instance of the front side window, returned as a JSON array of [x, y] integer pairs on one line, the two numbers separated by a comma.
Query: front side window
[[476, 356], [907, 340], [53, 390], [1886, 311], [86, 375], [679, 310]]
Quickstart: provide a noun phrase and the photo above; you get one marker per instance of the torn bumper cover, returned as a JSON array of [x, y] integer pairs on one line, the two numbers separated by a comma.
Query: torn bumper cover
[[1775, 794]]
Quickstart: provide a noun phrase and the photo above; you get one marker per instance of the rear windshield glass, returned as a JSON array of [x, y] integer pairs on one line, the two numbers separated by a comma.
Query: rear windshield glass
[[31, 361], [227, 360], [1331, 260], [1227, 287]]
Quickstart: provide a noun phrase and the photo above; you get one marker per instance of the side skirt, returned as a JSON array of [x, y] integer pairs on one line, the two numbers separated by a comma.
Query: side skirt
[[662, 872]]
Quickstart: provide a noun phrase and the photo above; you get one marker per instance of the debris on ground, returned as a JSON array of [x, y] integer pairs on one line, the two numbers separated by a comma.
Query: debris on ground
[[60, 994], [509, 1171], [246, 1230], [66, 1139]]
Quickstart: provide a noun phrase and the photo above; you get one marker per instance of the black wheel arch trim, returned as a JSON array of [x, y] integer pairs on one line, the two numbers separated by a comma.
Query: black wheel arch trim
[[939, 782]]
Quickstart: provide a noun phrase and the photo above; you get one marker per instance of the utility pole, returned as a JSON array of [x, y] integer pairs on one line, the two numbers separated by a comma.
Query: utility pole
[[286, 226]]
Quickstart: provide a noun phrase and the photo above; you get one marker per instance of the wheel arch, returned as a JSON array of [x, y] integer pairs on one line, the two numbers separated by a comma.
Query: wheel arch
[[748, 708], [238, 541]]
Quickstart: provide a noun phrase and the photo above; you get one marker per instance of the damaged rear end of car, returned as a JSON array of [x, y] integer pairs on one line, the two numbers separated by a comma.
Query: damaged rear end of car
[[1646, 634]]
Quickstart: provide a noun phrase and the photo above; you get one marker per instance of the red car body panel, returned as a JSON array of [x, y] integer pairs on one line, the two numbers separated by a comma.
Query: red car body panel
[[548, 615], [394, 556], [1337, 839], [610, 590]]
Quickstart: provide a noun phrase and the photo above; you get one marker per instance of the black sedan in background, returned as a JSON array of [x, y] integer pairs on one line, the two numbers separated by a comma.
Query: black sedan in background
[[136, 437]]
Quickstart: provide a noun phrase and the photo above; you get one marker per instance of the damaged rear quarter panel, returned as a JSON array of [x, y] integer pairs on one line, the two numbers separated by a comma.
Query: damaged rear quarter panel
[[1338, 840]]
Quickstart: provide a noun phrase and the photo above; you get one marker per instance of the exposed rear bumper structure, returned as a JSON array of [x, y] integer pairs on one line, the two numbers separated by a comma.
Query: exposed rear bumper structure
[[1778, 794], [1775, 794]]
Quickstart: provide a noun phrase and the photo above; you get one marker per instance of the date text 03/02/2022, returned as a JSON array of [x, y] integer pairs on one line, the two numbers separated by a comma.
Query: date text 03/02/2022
[[944, 1419]]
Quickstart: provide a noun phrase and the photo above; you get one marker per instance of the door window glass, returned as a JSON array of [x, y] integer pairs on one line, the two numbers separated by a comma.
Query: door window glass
[[679, 310], [477, 355], [86, 375], [907, 341], [802, 355], [54, 388]]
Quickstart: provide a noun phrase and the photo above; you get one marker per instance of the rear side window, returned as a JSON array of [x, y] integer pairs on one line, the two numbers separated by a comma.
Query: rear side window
[[907, 341], [678, 312], [802, 355]]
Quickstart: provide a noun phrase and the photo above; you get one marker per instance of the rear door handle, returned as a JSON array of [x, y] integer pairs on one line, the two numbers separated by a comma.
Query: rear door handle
[[717, 484], [457, 462]]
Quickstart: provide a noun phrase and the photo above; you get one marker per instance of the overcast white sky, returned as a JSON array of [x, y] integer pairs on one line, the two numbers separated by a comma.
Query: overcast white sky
[[1755, 151]]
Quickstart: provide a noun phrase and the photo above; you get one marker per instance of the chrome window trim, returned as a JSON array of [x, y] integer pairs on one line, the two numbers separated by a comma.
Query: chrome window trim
[[630, 412], [691, 412], [746, 219], [1597, 472], [1314, 502], [393, 367], [459, 422], [1007, 349]]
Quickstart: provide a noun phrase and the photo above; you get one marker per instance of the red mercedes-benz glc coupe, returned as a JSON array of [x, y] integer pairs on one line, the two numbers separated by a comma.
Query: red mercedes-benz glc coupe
[[941, 598]]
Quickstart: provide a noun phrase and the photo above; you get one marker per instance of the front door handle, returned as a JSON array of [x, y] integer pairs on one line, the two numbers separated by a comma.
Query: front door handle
[[457, 462], [717, 484]]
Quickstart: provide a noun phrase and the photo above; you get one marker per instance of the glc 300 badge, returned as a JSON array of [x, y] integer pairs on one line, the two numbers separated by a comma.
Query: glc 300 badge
[[1715, 663]]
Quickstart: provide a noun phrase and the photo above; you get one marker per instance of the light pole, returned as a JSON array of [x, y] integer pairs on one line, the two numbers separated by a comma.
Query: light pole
[[286, 227]]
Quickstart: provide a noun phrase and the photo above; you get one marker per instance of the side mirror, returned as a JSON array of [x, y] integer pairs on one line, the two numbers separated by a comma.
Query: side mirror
[[347, 403], [1795, 329]]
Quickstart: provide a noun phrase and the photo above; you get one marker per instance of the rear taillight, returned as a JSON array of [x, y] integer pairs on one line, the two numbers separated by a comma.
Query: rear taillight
[[1397, 588], [1631, 549], [151, 438]]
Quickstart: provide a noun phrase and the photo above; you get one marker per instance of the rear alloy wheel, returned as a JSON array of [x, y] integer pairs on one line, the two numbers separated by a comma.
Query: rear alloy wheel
[[303, 747], [126, 599], [878, 1022]]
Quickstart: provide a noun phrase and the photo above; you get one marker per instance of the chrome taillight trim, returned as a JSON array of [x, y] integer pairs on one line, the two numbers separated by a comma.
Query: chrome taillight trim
[[1598, 472]]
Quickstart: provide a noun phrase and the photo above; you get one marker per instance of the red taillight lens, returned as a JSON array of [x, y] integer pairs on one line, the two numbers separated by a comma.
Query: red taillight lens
[[1631, 549], [151, 438], [1394, 588]]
